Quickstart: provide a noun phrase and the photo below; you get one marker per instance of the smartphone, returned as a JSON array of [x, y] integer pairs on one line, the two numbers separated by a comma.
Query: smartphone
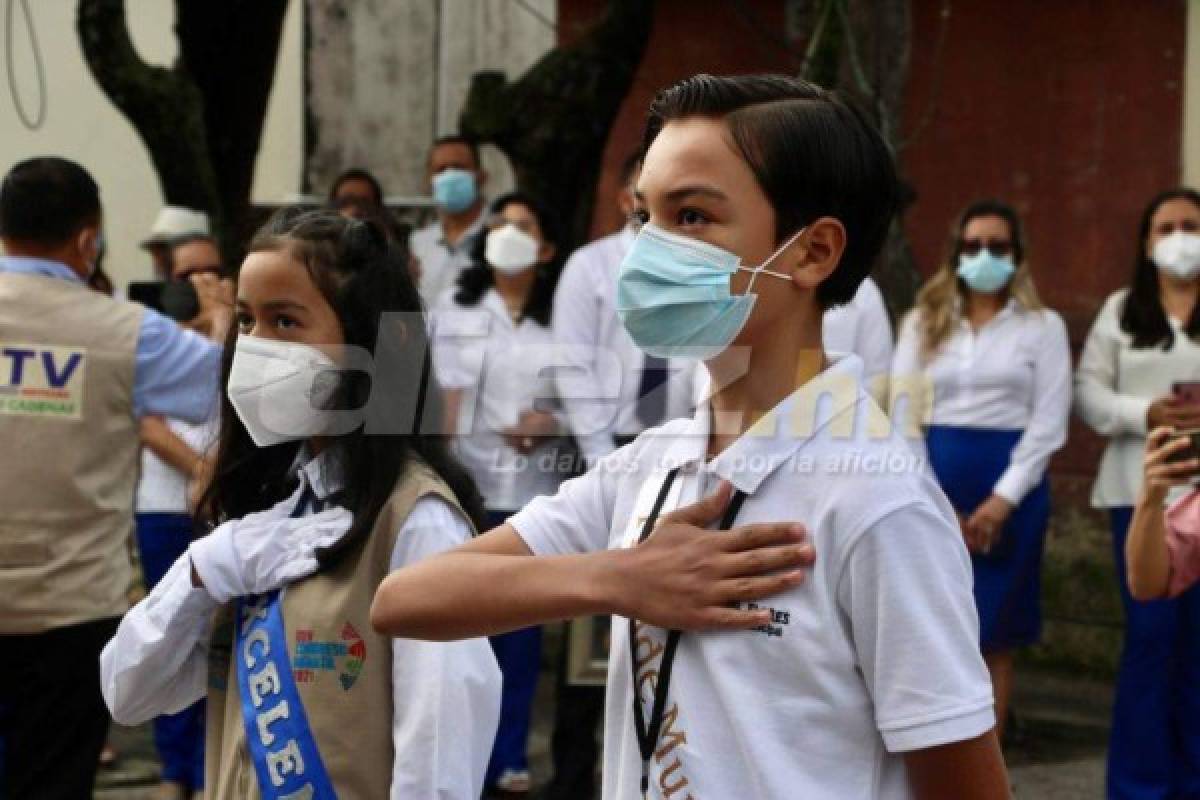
[[1186, 391], [1190, 452], [175, 299]]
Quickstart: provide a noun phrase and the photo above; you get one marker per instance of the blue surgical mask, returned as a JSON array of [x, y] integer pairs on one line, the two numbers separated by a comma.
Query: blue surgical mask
[[985, 272], [454, 189], [673, 294]]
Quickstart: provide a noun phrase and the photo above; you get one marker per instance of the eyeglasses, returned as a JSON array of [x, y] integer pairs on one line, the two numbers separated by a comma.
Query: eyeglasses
[[997, 247]]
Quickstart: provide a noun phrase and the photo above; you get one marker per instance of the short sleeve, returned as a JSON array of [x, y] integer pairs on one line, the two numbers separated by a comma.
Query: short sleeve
[[578, 518], [176, 371], [905, 587]]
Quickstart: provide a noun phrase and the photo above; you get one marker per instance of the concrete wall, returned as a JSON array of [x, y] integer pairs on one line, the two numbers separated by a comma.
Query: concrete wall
[[82, 125], [387, 76]]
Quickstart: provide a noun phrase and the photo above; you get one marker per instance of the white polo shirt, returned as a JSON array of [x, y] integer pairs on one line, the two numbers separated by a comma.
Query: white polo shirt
[[874, 655]]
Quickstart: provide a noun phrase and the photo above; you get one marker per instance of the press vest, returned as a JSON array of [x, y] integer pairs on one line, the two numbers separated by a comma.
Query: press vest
[[342, 668], [70, 449]]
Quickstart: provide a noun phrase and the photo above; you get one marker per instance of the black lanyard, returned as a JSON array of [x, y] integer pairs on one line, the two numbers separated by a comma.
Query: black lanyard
[[647, 736]]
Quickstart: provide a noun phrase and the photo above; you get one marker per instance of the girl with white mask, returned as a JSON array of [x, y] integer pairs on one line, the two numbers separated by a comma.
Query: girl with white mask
[[330, 473], [981, 380], [1145, 341], [493, 350]]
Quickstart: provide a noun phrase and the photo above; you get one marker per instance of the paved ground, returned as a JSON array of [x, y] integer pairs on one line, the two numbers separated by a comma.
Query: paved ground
[[1055, 750]]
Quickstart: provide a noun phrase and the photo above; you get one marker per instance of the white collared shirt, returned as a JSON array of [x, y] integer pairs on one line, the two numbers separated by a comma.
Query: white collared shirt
[[441, 262], [875, 654], [503, 369], [862, 327], [1014, 373], [446, 695], [600, 389], [1115, 385]]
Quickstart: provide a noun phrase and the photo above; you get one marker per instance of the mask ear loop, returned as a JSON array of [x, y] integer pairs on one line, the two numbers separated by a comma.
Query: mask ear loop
[[762, 268]]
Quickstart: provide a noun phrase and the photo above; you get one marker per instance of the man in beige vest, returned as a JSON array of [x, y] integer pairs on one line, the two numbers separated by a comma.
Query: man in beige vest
[[77, 371]]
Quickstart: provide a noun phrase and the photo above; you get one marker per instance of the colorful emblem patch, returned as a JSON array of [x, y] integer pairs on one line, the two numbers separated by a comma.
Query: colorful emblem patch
[[41, 381], [344, 656]]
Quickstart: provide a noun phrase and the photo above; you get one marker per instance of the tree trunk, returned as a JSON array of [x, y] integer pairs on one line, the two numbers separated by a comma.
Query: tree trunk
[[554, 121], [202, 119]]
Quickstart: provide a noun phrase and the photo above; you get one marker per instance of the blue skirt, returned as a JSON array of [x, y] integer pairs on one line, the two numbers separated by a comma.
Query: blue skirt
[[967, 463]]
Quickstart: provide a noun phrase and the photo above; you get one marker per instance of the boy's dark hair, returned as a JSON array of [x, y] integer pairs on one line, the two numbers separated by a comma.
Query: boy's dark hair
[[457, 138], [47, 201], [1142, 315], [478, 278], [813, 154], [363, 275], [357, 174]]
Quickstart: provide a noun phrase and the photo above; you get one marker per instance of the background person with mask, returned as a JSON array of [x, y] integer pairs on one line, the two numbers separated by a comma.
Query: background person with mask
[[987, 369], [1145, 339], [443, 247], [172, 222], [77, 371], [176, 456], [493, 350]]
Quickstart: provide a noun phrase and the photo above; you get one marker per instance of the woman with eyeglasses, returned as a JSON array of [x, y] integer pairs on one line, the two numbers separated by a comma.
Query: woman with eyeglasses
[[493, 349], [1143, 347], [985, 369]]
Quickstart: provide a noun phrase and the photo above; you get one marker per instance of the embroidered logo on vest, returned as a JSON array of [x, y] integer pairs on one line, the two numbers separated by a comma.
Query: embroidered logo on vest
[[41, 381], [344, 656]]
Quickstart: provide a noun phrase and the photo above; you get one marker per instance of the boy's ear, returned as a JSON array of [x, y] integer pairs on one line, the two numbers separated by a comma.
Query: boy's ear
[[819, 251]]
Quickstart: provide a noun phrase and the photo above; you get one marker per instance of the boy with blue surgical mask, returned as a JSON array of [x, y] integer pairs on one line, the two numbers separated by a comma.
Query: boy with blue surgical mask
[[443, 247], [738, 667]]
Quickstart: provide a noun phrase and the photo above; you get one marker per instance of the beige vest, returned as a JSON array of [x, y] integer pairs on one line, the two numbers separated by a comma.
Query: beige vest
[[70, 449], [343, 669]]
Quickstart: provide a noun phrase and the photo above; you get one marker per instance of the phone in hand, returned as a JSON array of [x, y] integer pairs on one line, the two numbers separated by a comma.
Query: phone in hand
[[1186, 392], [1190, 452]]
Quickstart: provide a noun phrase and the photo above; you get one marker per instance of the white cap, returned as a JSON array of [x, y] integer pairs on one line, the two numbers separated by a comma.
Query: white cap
[[175, 221]]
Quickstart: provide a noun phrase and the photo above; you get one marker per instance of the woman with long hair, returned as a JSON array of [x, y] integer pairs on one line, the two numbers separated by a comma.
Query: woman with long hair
[[494, 354], [985, 369], [330, 473], [1146, 339]]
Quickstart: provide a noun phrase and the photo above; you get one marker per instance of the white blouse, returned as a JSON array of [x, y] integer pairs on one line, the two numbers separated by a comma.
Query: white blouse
[[446, 695], [504, 368], [1115, 385], [1014, 373]]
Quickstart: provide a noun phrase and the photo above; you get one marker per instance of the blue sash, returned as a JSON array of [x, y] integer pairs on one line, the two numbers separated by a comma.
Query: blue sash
[[278, 737]]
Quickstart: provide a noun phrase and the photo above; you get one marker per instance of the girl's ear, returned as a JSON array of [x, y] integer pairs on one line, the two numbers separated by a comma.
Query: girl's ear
[[818, 252], [546, 253]]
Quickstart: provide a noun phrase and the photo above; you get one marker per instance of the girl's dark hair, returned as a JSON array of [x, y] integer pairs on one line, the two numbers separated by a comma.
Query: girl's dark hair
[[1143, 315], [990, 208], [357, 174], [476, 279], [813, 154], [364, 276]]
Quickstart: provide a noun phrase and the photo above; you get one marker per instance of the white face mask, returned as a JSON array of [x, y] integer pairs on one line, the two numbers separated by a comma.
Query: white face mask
[[510, 250], [280, 389], [1179, 254]]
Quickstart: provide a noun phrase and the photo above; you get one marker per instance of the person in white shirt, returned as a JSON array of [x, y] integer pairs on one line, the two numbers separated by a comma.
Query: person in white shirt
[[611, 390], [734, 671], [267, 615], [863, 327], [443, 247], [1145, 339], [175, 455], [985, 368], [494, 355]]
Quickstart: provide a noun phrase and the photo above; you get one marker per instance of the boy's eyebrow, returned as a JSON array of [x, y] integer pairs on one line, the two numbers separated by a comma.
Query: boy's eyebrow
[[676, 195]]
